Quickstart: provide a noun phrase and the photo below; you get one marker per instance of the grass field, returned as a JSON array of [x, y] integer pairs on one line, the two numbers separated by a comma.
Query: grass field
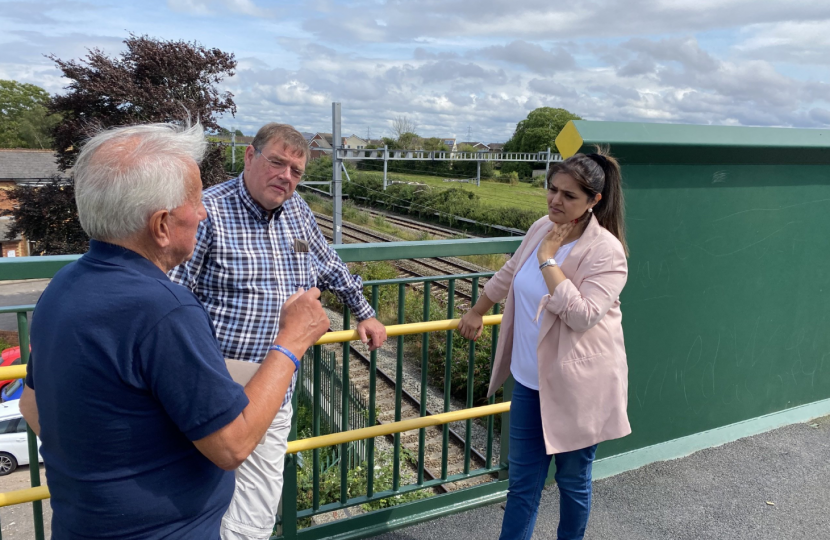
[[492, 193]]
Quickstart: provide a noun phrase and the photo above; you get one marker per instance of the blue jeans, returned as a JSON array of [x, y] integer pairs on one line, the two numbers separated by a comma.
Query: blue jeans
[[529, 465]]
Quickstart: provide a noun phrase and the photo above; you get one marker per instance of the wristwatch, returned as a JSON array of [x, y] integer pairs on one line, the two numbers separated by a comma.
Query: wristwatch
[[549, 262]]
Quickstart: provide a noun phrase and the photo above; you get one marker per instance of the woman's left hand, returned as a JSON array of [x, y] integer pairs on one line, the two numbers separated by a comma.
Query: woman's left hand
[[553, 241]]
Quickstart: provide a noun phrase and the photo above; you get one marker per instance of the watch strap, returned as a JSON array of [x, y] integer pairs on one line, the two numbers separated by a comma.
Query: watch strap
[[549, 262]]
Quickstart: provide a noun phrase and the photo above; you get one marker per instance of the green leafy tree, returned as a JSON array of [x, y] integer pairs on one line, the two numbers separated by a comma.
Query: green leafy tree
[[25, 121], [435, 144], [409, 141], [536, 133]]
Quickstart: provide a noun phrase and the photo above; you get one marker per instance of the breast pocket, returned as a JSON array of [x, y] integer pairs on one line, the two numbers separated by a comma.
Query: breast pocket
[[303, 269]]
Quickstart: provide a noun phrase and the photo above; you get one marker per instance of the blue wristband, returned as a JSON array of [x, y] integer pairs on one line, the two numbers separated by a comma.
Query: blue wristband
[[287, 353]]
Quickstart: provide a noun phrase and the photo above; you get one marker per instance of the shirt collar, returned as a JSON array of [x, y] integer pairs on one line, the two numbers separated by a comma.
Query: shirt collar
[[121, 256], [253, 207]]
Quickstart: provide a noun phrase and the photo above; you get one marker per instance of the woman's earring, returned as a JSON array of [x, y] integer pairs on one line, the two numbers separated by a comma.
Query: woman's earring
[[591, 209]]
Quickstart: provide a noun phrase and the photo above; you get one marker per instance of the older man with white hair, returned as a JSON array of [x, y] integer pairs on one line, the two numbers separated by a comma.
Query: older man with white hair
[[127, 387]]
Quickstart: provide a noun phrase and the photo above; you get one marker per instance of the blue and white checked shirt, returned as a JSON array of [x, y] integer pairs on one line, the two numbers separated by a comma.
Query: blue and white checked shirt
[[244, 268]]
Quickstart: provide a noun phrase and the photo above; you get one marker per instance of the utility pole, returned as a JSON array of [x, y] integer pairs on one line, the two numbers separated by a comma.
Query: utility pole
[[469, 134], [233, 151], [385, 160], [368, 135], [337, 179], [478, 173], [547, 167]]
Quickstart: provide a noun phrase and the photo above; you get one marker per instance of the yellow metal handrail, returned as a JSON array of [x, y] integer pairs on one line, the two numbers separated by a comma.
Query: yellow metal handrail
[[42, 492], [404, 329], [395, 427], [12, 372], [21, 496]]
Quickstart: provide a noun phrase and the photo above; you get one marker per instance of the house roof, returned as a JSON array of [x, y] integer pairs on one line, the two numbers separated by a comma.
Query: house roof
[[24, 164], [5, 225], [319, 143], [474, 144], [324, 136]]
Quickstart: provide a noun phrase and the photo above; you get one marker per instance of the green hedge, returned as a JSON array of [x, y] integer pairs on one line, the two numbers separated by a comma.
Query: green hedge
[[448, 203]]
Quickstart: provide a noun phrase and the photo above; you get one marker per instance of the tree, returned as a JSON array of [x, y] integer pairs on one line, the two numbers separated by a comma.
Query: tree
[[536, 133], [409, 141], [152, 81], [25, 121], [435, 144], [402, 125], [47, 216]]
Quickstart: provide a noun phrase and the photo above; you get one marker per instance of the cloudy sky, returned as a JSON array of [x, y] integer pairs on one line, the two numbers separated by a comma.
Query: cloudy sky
[[467, 66]]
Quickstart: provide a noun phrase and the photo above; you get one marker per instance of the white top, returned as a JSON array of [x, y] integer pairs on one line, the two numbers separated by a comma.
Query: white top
[[528, 289]]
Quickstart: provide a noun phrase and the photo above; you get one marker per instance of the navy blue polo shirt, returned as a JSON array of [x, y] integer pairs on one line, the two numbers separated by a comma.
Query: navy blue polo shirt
[[127, 373]]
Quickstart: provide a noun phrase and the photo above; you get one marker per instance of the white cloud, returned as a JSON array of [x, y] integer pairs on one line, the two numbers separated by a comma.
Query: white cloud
[[449, 64]]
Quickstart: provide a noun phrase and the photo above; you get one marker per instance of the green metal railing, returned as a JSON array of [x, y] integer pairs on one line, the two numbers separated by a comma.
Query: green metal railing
[[292, 515], [34, 459], [369, 523]]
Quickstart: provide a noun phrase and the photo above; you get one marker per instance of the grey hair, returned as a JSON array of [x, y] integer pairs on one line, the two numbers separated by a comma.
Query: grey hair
[[125, 174]]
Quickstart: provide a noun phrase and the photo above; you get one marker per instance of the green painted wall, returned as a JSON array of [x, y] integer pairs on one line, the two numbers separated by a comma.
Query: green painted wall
[[728, 297]]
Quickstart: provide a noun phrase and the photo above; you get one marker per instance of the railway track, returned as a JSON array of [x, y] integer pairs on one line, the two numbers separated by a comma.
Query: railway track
[[410, 224], [385, 388], [414, 267]]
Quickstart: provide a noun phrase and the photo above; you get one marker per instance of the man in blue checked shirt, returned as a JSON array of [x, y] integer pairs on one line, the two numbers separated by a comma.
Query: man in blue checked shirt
[[249, 259]]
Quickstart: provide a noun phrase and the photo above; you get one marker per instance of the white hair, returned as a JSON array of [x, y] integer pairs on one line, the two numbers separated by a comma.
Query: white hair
[[125, 174]]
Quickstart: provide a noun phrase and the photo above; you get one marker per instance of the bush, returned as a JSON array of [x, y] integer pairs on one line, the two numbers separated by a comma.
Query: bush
[[511, 178], [447, 203], [538, 182]]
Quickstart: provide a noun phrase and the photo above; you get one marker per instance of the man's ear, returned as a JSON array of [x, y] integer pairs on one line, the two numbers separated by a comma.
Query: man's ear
[[159, 225], [250, 152]]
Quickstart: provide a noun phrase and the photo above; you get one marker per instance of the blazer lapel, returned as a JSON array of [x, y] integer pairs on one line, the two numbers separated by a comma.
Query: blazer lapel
[[571, 262], [569, 267]]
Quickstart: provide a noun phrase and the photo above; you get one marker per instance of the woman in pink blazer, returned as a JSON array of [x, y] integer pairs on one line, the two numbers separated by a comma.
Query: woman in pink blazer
[[562, 340]]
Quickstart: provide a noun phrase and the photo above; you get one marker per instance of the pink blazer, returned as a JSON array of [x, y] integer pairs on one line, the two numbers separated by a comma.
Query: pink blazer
[[583, 374]]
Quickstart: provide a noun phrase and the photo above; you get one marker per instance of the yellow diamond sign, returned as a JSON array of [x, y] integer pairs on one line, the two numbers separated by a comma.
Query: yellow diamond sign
[[568, 142]]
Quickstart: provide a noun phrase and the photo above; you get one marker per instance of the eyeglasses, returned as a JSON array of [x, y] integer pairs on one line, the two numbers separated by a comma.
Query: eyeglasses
[[278, 167]]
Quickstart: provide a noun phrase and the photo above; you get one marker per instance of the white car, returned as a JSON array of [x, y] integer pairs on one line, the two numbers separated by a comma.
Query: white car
[[14, 448]]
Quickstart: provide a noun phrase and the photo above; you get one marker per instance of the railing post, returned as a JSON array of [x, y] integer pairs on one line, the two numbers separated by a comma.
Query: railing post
[[471, 366], [315, 427], [424, 369], [373, 364], [396, 465], [344, 411], [288, 501], [492, 399], [31, 438], [447, 379]]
